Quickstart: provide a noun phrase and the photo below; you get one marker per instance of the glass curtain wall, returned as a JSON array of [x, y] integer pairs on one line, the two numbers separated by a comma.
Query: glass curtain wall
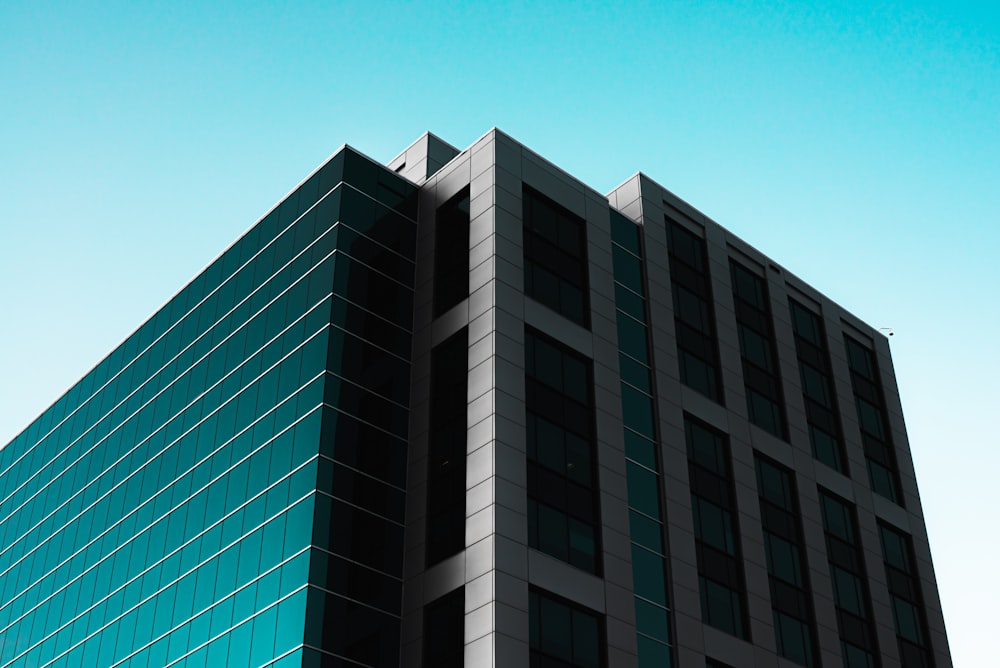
[[173, 490], [643, 467]]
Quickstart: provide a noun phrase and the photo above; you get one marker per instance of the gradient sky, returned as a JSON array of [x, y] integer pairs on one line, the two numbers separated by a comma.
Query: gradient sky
[[858, 144]]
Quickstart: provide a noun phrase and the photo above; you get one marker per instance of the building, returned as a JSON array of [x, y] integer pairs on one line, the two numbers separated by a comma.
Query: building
[[463, 410]]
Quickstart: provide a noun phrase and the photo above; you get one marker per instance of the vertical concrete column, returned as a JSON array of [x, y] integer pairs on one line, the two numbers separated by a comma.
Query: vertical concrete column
[[422, 585], [496, 577], [417, 453]]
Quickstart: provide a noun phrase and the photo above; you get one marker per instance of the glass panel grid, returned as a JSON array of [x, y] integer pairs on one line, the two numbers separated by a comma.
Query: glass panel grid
[[880, 454], [176, 325], [42, 533], [643, 467], [717, 543], [213, 361], [909, 615], [791, 595], [562, 494], [163, 499], [822, 411], [761, 380], [172, 490], [850, 584], [694, 314]]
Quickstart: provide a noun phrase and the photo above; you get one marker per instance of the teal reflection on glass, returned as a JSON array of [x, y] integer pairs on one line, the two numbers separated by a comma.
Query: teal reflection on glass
[[639, 419], [161, 511]]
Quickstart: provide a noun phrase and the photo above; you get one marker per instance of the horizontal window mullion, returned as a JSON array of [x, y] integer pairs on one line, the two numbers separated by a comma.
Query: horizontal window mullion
[[211, 639], [155, 374], [180, 576], [154, 520], [179, 322], [141, 443], [358, 471], [369, 511], [162, 426]]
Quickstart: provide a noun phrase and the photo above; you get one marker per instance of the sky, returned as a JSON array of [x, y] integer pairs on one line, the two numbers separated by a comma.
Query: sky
[[857, 144]]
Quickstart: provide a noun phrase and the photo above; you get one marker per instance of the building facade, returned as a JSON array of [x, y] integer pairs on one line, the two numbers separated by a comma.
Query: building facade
[[461, 409]]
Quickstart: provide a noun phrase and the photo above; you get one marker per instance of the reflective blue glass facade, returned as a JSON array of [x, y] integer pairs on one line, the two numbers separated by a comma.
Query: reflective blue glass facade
[[200, 494]]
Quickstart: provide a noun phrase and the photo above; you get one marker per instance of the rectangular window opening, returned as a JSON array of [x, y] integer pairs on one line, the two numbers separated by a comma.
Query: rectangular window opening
[[555, 257]]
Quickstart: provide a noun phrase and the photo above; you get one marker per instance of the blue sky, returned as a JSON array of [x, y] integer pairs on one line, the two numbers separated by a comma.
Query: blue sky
[[858, 144]]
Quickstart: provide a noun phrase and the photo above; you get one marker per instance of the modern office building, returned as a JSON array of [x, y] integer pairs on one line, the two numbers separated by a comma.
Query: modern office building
[[461, 409]]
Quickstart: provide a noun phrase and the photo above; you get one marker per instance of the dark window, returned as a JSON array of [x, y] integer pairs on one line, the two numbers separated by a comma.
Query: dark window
[[560, 450], [368, 365], [555, 257], [850, 584], [360, 284], [694, 320], [355, 581], [791, 599], [447, 448], [632, 338], [721, 606], [351, 630], [869, 399], [626, 234], [761, 379], [561, 535], [375, 255], [367, 406], [907, 602], [562, 501], [361, 490], [451, 252], [444, 631], [370, 327], [649, 575], [358, 535], [563, 635], [628, 269], [377, 221], [364, 447], [720, 565]]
